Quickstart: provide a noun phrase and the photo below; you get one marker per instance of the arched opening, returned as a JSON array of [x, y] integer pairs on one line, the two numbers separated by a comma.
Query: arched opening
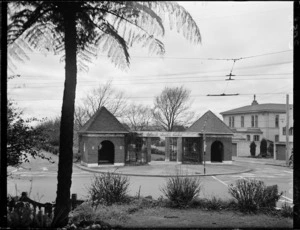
[[106, 153], [217, 151]]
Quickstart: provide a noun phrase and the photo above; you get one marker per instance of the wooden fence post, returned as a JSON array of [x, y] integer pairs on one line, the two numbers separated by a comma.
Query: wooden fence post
[[74, 201]]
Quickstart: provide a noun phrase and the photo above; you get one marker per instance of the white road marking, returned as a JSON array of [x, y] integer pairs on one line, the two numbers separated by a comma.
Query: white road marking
[[285, 201], [287, 198], [220, 181]]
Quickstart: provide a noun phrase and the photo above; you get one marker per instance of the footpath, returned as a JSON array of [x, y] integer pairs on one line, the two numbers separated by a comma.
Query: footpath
[[265, 161]]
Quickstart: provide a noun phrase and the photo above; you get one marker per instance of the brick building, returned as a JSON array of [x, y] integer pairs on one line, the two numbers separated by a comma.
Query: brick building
[[102, 141]]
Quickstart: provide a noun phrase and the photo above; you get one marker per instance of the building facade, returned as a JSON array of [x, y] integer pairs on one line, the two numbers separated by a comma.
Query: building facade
[[102, 140], [280, 143], [253, 123]]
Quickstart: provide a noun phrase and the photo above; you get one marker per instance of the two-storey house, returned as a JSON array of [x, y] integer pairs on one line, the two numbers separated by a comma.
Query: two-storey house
[[253, 123], [280, 143]]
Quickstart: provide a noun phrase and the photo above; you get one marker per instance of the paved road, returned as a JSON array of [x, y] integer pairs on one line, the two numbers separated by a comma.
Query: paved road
[[41, 182]]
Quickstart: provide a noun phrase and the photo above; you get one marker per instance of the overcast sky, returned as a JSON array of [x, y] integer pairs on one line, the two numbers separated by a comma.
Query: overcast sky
[[260, 33]]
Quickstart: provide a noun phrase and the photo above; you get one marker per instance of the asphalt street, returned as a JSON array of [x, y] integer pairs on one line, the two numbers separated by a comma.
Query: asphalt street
[[40, 182]]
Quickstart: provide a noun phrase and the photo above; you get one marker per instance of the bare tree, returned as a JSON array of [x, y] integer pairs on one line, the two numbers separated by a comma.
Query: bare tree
[[172, 106], [105, 95], [78, 30], [138, 116]]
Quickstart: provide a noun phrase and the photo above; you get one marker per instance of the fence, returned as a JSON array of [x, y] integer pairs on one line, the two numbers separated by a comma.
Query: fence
[[44, 209]]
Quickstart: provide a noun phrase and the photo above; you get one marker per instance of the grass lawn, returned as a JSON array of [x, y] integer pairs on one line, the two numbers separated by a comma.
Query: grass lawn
[[143, 214]]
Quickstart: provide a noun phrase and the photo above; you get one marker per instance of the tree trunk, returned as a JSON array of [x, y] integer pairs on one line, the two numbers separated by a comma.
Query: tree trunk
[[64, 177]]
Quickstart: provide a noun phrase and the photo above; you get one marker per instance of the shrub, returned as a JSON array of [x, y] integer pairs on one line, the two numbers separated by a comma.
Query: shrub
[[108, 188], [157, 151], [181, 191], [252, 195], [287, 211], [263, 147], [252, 148]]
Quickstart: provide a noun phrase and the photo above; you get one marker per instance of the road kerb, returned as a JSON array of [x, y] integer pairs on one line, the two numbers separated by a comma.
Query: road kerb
[[169, 175]]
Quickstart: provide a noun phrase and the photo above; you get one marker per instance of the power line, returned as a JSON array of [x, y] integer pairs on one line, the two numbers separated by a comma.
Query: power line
[[161, 78], [197, 72], [192, 58], [151, 83], [195, 95]]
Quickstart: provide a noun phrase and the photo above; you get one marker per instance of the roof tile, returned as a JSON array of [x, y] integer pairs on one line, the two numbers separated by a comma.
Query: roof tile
[[213, 124], [103, 121]]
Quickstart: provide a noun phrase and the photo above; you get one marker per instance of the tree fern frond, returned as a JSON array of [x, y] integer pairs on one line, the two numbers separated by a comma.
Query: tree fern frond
[[178, 17]]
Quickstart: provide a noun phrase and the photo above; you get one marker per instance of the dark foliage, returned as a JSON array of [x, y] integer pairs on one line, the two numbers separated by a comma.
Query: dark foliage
[[108, 189], [263, 147], [181, 191], [22, 139], [252, 195], [252, 148]]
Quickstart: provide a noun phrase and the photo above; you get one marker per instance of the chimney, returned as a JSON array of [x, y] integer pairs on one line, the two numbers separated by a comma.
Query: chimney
[[254, 102]]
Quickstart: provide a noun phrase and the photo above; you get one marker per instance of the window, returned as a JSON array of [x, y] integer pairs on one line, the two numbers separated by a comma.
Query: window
[[291, 131], [276, 138], [248, 138], [277, 121], [242, 121], [256, 137], [256, 121], [283, 131], [231, 122], [252, 121]]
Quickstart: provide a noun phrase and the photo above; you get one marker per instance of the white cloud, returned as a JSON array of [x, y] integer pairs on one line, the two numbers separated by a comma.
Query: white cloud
[[228, 29]]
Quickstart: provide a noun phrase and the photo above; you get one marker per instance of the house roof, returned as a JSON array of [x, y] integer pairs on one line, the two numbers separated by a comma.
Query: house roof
[[254, 108], [103, 121], [211, 124]]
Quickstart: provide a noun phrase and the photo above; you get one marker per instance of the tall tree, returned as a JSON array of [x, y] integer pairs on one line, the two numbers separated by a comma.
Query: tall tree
[[104, 95], [139, 116], [22, 138], [171, 107], [79, 30]]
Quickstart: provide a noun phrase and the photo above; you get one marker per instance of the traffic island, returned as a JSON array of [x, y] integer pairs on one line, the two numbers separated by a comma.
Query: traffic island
[[169, 169]]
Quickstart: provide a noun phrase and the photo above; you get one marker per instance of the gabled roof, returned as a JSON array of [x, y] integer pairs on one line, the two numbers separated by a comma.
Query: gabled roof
[[211, 124], [270, 107], [103, 122]]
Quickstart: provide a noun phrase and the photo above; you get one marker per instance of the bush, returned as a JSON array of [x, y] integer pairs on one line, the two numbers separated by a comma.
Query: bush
[[215, 204], [252, 148], [263, 147], [108, 188], [157, 151], [287, 211], [252, 195], [181, 191]]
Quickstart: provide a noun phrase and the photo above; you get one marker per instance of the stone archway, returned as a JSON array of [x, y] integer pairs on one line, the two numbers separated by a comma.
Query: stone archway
[[106, 153], [217, 151]]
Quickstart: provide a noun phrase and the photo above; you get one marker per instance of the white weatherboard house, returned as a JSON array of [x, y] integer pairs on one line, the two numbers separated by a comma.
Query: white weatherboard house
[[253, 123], [280, 143]]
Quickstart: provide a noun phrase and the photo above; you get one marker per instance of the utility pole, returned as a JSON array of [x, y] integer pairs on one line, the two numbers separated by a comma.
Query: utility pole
[[287, 149]]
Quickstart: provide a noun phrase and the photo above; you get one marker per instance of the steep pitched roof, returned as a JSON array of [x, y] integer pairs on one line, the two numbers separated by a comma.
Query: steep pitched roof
[[103, 121], [213, 125], [270, 107]]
